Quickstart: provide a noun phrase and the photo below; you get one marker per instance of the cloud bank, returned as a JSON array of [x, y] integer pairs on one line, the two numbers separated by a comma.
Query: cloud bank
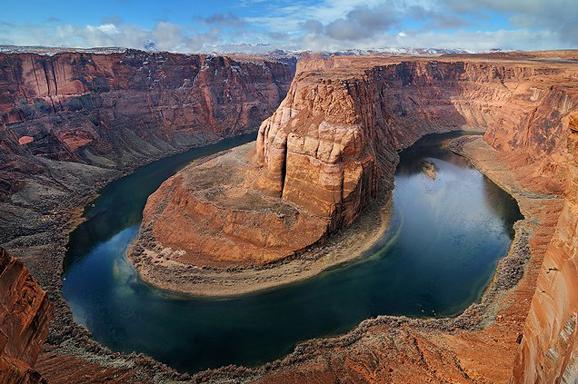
[[257, 26]]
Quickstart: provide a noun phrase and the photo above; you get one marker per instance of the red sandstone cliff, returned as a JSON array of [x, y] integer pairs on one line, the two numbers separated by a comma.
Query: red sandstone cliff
[[71, 121], [24, 316], [335, 118]]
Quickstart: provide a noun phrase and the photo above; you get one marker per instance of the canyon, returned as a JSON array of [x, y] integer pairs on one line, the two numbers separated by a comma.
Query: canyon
[[326, 152], [73, 121]]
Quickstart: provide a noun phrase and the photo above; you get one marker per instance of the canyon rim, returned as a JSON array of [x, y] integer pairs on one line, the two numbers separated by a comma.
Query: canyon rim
[[251, 172]]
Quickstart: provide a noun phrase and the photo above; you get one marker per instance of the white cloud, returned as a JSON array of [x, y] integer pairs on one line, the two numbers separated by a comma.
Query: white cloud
[[105, 28], [164, 36]]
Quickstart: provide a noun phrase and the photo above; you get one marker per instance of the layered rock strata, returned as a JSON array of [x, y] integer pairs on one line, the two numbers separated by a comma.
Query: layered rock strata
[[110, 109], [24, 316]]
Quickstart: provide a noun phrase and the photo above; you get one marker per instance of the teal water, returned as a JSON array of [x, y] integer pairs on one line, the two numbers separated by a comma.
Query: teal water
[[446, 235]]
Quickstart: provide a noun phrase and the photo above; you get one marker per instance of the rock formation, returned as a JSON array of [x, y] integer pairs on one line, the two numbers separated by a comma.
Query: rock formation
[[549, 348], [330, 148], [24, 316], [217, 218]]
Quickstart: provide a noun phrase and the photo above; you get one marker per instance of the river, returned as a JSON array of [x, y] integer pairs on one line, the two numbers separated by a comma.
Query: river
[[450, 226]]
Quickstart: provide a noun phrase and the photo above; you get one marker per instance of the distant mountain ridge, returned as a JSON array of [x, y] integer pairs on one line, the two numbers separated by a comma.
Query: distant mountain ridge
[[277, 53]]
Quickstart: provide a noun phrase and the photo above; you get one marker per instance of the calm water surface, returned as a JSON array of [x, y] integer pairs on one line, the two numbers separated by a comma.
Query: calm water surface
[[449, 228]]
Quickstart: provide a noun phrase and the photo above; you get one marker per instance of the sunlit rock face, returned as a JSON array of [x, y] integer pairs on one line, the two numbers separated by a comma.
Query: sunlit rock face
[[330, 148], [24, 316]]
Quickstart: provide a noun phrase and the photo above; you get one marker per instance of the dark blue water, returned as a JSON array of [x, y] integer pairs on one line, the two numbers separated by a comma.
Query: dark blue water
[[448, 230]]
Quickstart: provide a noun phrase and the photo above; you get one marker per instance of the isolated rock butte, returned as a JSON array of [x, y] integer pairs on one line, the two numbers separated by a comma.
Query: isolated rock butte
[[330, 148], [24, 316]]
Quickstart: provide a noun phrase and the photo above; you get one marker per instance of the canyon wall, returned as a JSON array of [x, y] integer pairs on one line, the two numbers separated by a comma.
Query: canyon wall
[[24, 316], [537, 136], [549, 348], [115, 110], [73, 121]]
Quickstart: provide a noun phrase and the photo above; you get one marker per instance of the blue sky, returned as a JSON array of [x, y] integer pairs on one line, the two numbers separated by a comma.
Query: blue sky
[[264, 25]]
